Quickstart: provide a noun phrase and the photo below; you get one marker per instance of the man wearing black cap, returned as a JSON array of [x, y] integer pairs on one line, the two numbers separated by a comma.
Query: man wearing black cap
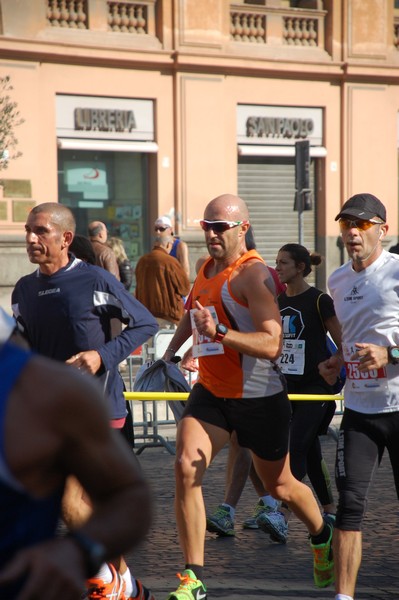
[[366, 299]]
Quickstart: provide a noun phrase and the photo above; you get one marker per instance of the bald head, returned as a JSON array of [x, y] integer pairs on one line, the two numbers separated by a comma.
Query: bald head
[[226, 242], [59, 214], [226, 207], [98, 231]]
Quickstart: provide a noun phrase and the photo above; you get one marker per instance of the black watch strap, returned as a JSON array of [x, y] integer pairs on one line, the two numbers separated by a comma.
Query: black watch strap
[[393, 355], [221, 331], [93, 552]]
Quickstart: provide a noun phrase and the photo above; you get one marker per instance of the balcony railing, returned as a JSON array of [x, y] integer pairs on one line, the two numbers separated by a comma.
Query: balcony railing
[[290, 27], [300, 31], [129, 16], [67, 13], [247, 27]]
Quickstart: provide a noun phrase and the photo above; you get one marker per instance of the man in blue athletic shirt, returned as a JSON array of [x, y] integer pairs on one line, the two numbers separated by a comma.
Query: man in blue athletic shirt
[[64, 310], [41, 442], [65, 307]]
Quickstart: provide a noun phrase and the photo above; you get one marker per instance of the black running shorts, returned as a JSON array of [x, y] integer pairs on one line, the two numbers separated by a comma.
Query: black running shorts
[[261, 424]]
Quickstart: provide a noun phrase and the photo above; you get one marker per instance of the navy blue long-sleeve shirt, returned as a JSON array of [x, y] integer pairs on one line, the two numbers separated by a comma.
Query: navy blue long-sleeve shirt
[[70, 312]]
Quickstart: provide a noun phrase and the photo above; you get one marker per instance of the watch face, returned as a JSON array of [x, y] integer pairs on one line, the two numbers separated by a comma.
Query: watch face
[[395, 352], [220, 328]]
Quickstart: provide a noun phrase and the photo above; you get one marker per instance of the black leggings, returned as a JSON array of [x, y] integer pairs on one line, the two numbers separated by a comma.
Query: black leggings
[[309, 417], [361, 444]]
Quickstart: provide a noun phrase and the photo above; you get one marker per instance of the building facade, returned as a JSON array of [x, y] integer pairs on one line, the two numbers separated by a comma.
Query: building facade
[[134, 109]]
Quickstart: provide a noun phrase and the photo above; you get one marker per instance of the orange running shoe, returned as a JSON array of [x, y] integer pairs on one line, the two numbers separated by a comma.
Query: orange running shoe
[[99, 590]]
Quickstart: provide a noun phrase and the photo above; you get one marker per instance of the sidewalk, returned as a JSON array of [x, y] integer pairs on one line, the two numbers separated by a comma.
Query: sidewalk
[[250, 566]]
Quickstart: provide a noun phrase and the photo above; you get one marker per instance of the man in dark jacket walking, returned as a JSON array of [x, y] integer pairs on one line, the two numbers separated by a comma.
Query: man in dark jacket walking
[[105, 256], [161, 282]]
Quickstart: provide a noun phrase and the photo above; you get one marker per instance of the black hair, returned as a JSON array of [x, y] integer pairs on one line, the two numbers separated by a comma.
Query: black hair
[[250, 239], [300, 254], [81, 247]]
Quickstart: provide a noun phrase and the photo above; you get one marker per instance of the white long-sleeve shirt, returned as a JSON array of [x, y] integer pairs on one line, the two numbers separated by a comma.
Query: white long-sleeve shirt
[[367, 306]]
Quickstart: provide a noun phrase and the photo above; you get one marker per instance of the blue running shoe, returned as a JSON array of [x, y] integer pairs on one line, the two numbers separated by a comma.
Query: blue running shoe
[[275, 524]]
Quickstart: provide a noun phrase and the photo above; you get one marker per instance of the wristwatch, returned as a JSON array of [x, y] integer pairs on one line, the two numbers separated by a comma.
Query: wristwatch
[[221, 331], [93, 552], [393, 355]]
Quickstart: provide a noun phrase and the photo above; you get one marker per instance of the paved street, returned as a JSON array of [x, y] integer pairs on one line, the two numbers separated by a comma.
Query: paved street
[[250, 566]]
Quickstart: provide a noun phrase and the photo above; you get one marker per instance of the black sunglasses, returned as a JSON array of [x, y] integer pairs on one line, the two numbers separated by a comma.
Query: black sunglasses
[[158, 228]]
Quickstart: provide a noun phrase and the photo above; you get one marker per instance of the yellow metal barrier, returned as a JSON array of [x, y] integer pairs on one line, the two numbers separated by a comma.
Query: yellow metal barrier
[[151, 423], [143, 396]]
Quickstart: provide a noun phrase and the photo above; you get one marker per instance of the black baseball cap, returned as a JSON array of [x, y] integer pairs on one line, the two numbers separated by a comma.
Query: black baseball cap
[[363, 206]]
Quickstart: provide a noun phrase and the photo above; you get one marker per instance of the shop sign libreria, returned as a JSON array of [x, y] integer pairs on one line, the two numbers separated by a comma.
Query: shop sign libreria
[[105, 118]]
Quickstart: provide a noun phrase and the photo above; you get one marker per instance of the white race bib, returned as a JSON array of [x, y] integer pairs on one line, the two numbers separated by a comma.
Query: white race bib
[[202, 345], [362, 381], [292, 358]]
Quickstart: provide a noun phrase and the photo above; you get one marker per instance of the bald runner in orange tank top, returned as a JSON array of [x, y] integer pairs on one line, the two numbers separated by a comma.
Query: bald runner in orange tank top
[[249, 377]]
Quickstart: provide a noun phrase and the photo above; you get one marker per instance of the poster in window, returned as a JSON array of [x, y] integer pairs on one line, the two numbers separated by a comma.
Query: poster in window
[[88, 178]]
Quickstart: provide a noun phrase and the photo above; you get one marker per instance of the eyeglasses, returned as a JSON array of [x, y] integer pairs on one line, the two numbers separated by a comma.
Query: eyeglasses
[[360, 224], [220, 226], [162, 229]]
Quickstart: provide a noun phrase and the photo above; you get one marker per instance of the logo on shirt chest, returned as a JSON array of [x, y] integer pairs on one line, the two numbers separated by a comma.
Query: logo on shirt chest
[[48, 292], [292, 323], [354, 295]]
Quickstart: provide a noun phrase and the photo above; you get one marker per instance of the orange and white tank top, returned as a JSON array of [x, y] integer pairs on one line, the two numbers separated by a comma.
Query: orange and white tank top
[[232, 374]]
